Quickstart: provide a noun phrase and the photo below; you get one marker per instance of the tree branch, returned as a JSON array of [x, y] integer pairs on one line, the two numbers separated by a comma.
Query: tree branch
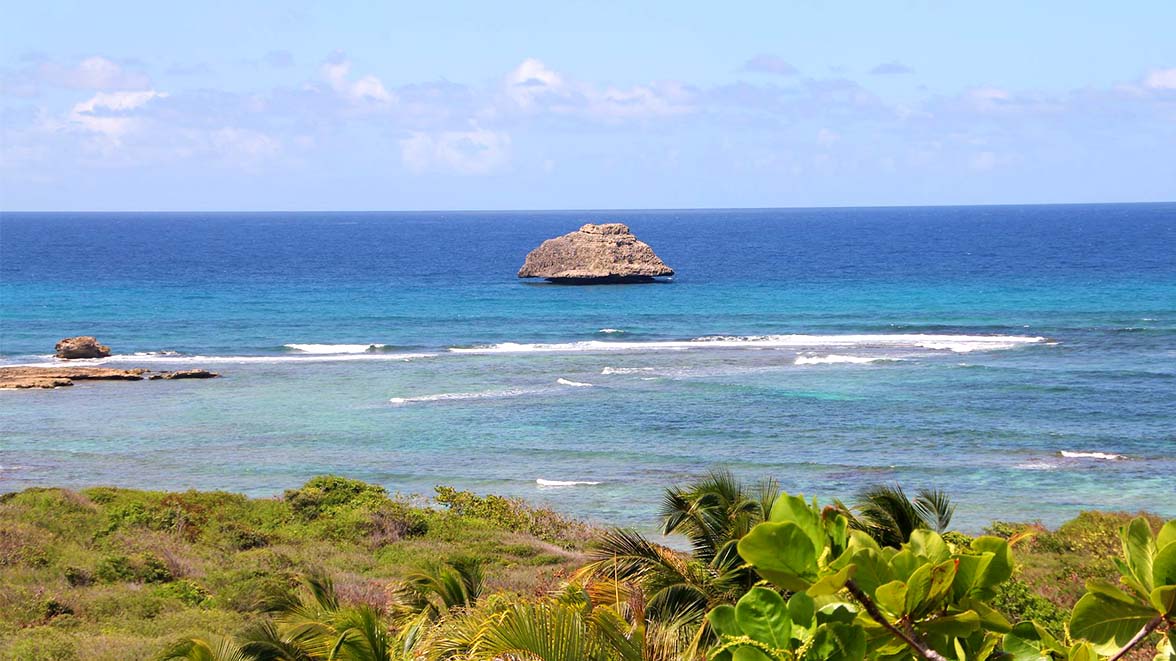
[[1147, 629], [910, 640]]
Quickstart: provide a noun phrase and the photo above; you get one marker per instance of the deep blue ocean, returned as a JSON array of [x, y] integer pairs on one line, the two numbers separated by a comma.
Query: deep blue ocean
[[1021, 357]]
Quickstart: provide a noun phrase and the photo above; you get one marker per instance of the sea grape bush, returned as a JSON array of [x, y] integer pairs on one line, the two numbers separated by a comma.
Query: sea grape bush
[[833, 593]]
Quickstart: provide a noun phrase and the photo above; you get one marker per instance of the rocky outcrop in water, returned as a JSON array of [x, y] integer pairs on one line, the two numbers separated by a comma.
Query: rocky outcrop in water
[[56, 377], [83, 346], [595, 254]]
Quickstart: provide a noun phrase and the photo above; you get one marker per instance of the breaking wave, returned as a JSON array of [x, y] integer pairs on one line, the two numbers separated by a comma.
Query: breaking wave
[[564, 483], [952, 343], [610, 331], [1091, 455], [338, 348], [625, 370], [1036, 466], [833, 359], [462, 396], [575, 384]]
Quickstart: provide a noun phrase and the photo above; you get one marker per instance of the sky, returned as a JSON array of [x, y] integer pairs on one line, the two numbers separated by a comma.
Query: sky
[[286, 105]]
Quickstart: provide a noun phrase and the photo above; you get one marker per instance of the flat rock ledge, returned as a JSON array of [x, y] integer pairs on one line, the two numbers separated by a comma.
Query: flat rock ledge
[[595, 254], [56, 377]]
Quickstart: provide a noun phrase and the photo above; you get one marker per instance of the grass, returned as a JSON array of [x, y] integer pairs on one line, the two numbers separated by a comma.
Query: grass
[[118, 574]]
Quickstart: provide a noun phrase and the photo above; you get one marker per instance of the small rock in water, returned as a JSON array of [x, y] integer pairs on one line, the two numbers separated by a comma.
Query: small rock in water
[[595, 254], [83, 346]]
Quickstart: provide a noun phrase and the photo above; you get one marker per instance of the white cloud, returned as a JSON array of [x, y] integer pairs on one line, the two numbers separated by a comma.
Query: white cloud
[[476, 151], [534, 87], [109, 113], [1161, 79], [367, 90]]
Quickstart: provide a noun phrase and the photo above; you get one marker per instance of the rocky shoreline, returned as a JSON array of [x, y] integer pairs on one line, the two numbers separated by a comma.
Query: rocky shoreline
[[21, 377]]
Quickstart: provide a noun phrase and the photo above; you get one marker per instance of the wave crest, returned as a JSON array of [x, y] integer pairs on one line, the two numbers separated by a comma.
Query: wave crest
[[574, 384], [564, 483], [1091, 455]]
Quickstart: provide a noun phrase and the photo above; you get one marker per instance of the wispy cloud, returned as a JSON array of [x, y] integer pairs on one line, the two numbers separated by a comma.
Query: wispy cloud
[[892, 68], [764, 63]]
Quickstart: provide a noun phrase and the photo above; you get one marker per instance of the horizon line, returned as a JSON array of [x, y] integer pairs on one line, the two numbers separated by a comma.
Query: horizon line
[[593, 210]]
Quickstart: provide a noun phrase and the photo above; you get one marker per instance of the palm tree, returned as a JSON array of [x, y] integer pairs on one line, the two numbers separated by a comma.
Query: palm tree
[[889, 516], [314, 625], [213, 648]]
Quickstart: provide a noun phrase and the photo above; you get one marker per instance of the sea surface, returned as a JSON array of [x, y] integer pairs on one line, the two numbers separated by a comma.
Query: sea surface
[[1021, 357]]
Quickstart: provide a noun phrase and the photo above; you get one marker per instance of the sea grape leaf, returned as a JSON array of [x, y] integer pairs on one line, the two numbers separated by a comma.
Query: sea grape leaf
[[990, 618], [1000, 568], [1167, 534], [782, 553], [832, 583], [1106, 589], [722, 621], [918, 587], [1163, 599], [1164, 566], [1138, 548], [837, 642], [793, 509], [929, 545], [959, 624], [942, 576], [830, 613], [892, 596], [872, 570], [1107, 623], [1028, 641], [763, 615], [968, 572], [904, 563], [802, 609], [1082, 651]]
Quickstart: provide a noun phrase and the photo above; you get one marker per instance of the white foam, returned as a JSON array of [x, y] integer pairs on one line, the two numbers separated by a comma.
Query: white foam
[[574, 384], [625, 370], [461, 396], [169, 358], [834, 359], [610, 331], [1091, 455], [335, 348], [564, 483], [1036, 466], [953, 343]]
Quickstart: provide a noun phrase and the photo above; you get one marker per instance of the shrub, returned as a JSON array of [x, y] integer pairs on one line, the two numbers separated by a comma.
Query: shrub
[[185, 591], [146, 567], [78, 577], [1019, 603], [114, 569], [511, 514], [326, 492]]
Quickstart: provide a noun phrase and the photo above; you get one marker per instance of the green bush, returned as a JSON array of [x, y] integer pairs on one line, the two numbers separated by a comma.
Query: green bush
[[185, 591], [324, 493]]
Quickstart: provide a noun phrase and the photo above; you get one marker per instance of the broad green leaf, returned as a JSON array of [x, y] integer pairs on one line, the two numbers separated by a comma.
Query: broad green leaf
[[942, 576], [928, 545], [892, 597], [990, 618], [1000, 568], [763, 615], [832, 583], [802, 609], [835, 613], [1167, 534], [837, 528], [722, 621], [782, 553], [960, 624], [918, 587], [969, 570], [1028, 641], [793, 509], [749, 653], [1107, 623], [1138, 549], [1164, 566], [837, 642], [1163, 599], [1106, 589], [904, 563], [1082, 651], [872, 570]]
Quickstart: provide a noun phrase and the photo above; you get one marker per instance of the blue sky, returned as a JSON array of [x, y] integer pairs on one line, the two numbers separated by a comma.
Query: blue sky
[[529, 105]]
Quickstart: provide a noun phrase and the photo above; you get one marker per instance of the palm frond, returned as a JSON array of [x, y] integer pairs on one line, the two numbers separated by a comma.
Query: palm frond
[[935, 508]]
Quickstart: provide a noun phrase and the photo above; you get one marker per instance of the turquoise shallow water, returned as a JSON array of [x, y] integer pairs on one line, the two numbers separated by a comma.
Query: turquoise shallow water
[[1024, 358]]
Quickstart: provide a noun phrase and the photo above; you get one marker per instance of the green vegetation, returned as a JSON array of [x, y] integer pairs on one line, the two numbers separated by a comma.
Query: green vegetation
[[340, 569]]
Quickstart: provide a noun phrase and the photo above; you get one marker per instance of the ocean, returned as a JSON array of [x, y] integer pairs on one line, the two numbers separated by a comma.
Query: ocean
[[1021, 357]]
